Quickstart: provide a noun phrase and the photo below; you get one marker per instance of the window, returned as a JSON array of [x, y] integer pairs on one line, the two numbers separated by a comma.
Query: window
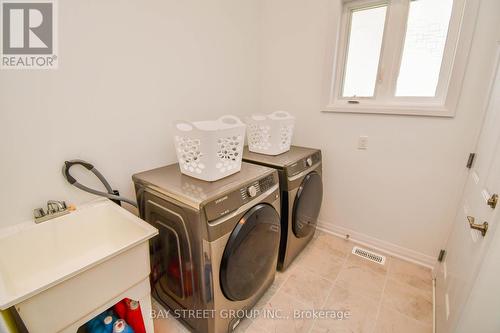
[[367, 30], [426, 33], [401, 56]]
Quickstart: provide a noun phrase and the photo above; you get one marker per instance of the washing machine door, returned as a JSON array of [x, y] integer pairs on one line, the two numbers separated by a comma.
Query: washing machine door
[[307, 205], [251, 253]]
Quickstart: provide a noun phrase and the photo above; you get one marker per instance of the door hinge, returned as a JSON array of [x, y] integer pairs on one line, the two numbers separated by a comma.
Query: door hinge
[[441, 255], [470, 161]]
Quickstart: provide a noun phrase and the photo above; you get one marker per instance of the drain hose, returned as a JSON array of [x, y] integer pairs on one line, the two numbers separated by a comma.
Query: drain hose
[[110, 194]]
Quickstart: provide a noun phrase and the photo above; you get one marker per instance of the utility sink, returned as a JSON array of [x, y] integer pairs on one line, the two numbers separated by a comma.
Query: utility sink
[[64, 271]]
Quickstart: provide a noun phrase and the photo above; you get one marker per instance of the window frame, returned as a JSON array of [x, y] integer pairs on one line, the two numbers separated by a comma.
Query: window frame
[[384, 101]]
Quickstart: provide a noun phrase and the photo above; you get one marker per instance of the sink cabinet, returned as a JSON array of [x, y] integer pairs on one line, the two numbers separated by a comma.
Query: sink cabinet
[[70, 304], [63, 272]]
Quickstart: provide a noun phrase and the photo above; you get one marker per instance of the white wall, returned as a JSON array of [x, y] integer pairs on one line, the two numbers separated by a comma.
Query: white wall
[[126, 70], [403, 191]]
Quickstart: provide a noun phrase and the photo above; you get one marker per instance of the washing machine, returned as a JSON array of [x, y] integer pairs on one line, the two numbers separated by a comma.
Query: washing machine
[[218, 242], [301, 187]]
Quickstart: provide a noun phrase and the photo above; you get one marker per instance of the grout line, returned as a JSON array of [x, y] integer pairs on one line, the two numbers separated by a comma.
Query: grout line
[[417, 290], [334, 281], [407, 286], [269, 301], [434, 305], [410, 318], [293, 296], [379, 307], [282, 283]]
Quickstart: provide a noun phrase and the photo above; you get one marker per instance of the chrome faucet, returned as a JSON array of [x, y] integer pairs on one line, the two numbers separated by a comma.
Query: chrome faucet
[[54, 209]]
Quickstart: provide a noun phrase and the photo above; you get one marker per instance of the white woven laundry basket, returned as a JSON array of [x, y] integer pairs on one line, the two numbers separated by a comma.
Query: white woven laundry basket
[[210, 150], [270, 134]]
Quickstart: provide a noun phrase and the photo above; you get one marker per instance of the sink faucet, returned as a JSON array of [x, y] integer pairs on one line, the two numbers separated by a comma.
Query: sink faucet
[[54, 209]]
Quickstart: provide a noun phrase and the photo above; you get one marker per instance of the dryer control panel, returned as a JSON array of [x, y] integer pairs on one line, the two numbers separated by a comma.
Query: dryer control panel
[[232, 201], [303, 164]]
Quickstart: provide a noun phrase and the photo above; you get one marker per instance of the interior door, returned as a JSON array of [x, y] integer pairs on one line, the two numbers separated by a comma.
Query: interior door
[[466, 247]]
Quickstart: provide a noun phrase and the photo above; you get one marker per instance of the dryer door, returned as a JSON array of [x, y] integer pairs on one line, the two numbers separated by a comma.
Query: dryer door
[[251, 253], [307, 205]]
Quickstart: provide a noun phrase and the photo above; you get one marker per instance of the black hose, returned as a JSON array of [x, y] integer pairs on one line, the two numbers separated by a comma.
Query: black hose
[[111, 194]]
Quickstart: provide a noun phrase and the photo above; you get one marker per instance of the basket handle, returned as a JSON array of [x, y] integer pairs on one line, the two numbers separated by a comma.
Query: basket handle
[[280, 115], [258, 116], [230, 120], [184, 126]]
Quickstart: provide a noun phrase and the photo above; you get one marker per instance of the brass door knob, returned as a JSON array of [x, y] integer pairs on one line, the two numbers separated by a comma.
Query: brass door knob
[[476, 226]]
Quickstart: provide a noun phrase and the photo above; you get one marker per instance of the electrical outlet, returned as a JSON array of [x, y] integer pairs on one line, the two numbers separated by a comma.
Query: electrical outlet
[[363, 142]]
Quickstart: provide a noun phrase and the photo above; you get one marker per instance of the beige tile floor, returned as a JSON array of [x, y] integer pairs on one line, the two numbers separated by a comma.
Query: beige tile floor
[[393, 298]]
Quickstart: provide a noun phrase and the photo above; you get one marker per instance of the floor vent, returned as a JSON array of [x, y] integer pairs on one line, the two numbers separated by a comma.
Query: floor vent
[[367, 254]]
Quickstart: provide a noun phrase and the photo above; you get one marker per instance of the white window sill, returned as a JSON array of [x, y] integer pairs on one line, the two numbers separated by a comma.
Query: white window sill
[[402, 110]]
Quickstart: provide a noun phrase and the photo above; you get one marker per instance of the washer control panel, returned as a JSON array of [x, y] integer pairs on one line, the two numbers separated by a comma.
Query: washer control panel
[[252, 191], [303, 164], [256, 188], [235, 199]]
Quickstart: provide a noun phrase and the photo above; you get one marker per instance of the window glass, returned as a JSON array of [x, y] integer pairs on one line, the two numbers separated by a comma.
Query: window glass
[[363, 53], [426, 33]]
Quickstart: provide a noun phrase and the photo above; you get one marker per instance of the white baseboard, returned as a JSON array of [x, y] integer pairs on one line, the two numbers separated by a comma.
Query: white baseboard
[[377, 244]]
